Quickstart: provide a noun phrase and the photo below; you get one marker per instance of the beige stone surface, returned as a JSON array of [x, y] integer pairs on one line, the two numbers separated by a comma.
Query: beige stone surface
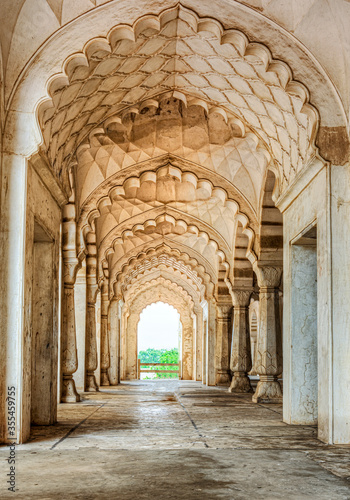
[[195, 153], [177, 440]]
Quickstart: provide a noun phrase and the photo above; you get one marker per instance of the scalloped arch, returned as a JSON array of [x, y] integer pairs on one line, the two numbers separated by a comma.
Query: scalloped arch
[[154, 274], [131, 273], [165, 222], [200, 188], [278, 111], [161, 282], [208, 280]]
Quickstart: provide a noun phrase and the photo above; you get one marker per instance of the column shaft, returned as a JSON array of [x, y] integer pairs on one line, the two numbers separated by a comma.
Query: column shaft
[[223, 323], [90, 332], [69, 358], [105, 357], [114, 339], [269, 347], [241, 361]]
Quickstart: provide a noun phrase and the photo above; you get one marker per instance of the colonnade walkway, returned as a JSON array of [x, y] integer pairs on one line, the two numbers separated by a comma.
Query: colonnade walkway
[[175, 440]]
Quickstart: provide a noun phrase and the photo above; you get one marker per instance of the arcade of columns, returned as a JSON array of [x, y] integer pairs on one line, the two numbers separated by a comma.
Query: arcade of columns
[[177, 162]]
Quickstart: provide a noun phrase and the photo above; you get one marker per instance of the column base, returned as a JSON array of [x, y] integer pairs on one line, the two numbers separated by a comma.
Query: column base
[[91, 385], [104, 378], [240, 383], [69, 392], [223, 377], [268, 390]]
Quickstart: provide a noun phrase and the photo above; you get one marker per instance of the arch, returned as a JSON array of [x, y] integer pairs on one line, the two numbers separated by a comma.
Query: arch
[[162, 262], [235, 57], [182, 259], [202, 136], [169, 293], [153, 277], [87, 210], [164, 221]]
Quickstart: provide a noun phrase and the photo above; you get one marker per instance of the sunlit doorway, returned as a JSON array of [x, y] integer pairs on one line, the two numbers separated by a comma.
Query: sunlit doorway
[[159, 343]]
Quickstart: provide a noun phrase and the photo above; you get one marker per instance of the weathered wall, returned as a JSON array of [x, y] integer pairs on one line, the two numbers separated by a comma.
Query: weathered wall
[[323, 202], [29, 214], [41, 210]]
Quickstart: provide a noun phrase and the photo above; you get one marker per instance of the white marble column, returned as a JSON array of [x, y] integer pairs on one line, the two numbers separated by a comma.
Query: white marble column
[[211, 343], [91, 293], [80, 318], [114, 341], [69, 363], [187, 347], [199, 344], [223, 323], [105, 358], [241, 360], [269, 347]]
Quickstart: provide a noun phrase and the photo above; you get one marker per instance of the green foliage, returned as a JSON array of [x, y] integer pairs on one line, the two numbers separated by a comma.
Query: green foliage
[[160, 356], [151, 355], [171, 356]]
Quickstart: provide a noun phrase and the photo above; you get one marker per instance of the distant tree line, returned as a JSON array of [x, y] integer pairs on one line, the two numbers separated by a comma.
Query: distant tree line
[[161, 356]]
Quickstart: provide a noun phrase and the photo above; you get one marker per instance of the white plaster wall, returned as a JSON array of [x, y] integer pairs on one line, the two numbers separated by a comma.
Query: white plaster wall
[[309, 207], [42, 207], [340, 261], [12, 248], [304, 385], [24, 197], [326, 202]]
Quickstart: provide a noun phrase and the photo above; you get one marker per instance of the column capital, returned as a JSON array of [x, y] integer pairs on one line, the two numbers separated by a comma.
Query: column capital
[[268, 276], [70, 269], [240, 297], [223, 310]]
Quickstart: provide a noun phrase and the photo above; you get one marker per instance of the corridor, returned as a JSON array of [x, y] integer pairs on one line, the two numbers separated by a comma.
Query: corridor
[[175, 440]]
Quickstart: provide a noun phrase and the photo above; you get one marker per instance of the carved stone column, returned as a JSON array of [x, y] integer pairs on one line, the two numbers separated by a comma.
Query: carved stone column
[[223, 323], [114, 321], [211, 343], [90, 332], [241, 360], [105, 358], [69, 359], [269, 346]]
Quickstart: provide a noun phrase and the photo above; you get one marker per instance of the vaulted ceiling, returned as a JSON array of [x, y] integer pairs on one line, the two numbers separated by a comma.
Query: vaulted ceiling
[[167, 130]]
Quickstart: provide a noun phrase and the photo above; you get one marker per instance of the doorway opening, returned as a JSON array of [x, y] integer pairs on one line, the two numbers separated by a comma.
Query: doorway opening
[[159, 335]]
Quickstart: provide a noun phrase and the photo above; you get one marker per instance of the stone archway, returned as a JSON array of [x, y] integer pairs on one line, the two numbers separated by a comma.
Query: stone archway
[[170, 294]]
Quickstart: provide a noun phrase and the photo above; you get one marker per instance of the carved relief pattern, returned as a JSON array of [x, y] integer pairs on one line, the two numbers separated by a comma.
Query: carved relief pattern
[[240, 76]]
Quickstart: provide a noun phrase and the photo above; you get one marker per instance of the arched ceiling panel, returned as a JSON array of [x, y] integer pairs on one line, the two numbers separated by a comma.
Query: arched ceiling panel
[[181, 253], [162, 290], [155, 275], [193, 130], [168, 53]]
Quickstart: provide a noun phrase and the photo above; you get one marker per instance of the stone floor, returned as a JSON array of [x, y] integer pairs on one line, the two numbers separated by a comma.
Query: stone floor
[[175, 440]]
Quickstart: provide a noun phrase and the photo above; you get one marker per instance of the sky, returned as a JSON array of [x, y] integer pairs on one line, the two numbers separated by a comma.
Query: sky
[[158, 327]]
